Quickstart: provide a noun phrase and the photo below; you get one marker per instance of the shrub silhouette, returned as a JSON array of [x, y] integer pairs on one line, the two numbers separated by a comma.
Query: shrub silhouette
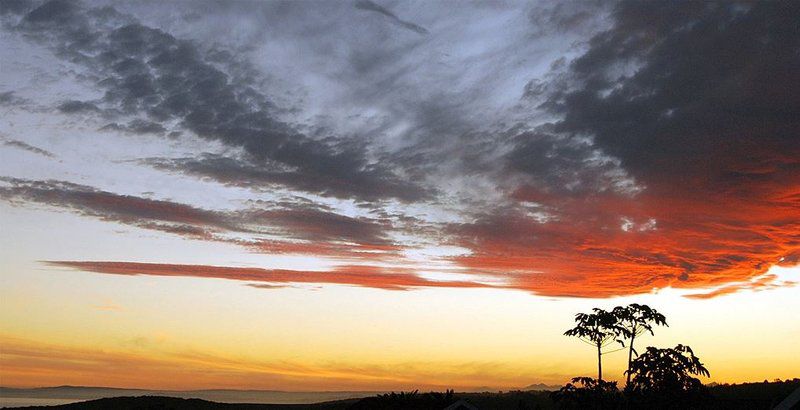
[[662, 378], [586, 392], [636, 319], [598, 329]]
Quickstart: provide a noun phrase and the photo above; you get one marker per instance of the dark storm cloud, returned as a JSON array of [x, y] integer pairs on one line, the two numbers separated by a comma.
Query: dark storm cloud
[[578, 16], [137, 126], [75, 106], [370, 6], [147, 72], [27, 147], [566, 164], [14, 6], [366, 185], [9, 98], [675, 87]]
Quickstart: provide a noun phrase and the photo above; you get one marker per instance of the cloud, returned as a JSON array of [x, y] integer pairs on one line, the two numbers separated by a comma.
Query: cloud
[[9, 98], [75, 106], [763, 282], [356, 275], [370, 6], [27, 147], [366, 185], [131, 210], [319, 230], [675, 161], [657, 150], [147, 73]]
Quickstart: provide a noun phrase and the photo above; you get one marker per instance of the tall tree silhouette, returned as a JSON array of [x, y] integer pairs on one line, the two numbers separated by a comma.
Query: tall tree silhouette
[[636, 319], [598, 329]]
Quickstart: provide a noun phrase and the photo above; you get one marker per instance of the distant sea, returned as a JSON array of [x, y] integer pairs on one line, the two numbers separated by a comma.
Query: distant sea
[[49, 396], [28, 401]]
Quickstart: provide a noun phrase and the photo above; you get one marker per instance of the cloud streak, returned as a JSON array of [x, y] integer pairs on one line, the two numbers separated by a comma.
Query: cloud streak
[[27, 147], [155, 78], [371, 6], [355, 275]]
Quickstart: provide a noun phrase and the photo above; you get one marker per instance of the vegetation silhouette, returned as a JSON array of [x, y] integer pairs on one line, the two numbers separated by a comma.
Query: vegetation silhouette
[[662, 378], [410, 400], [658, 378], [598, 329], [636, 319], [586, 392]]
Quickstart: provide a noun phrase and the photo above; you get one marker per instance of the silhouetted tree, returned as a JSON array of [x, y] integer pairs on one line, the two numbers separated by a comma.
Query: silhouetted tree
[[598, 329], [663, 378], [636, 319]]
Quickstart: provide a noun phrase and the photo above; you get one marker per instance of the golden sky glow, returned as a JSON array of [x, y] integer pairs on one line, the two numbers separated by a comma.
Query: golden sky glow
[[190, 333]]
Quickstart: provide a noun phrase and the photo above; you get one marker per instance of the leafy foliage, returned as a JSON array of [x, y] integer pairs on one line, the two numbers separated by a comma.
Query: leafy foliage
[[664, 376], [599, 328], [635, 319]]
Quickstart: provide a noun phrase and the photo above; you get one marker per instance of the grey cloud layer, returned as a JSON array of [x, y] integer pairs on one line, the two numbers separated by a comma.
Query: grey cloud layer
[[687, 90], [299, 222], [148, 73]]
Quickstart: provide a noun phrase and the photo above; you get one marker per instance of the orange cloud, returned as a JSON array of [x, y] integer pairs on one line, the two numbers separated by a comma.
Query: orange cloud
[[606, 245], [356, 275]]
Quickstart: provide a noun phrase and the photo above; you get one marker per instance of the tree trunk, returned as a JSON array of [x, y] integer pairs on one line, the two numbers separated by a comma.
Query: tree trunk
[[630, 358], [599, 377], [599, 364]]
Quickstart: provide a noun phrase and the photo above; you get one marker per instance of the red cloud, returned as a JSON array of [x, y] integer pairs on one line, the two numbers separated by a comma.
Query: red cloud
[[605, 245]]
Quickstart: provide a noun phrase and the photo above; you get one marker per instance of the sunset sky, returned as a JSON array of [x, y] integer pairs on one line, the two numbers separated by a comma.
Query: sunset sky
[[359, 195]]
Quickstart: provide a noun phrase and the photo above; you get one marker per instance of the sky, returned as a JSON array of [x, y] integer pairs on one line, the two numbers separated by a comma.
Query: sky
[[378, 195]]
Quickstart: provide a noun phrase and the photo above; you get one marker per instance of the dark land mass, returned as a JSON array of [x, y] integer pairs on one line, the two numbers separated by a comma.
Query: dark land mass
[[753, 396]]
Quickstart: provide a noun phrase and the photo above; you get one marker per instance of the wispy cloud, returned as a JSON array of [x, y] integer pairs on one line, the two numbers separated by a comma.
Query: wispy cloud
[[356, 275], [27, 147], [371, 6]]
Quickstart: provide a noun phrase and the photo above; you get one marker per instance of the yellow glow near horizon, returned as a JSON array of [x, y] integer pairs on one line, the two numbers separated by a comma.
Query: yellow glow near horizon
[[205, 333]]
